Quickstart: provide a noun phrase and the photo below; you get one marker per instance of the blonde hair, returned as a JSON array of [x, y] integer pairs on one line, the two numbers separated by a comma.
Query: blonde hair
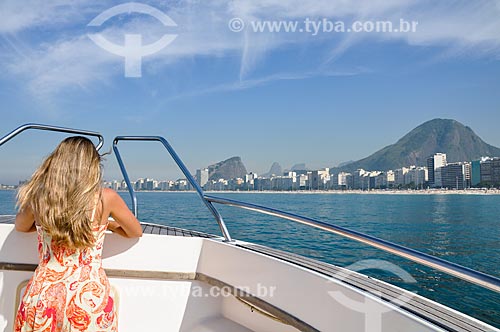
[[63, 190]]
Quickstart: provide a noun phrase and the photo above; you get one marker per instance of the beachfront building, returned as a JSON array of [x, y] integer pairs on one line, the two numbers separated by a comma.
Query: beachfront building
[[380, 181], [434, 165], [344, 180], [115, 185], [399, 177], [182, 184], [301, 181], [138, 185], [490, 171], [456, 176], [358, 181], [295, 179], [282, 183], [166, 185], [416, 177], [150, 184], [202, 176], [218, 185], [475, 173], [368, 182], [250, 179], [262, 184], [319, 179], [390, 178], [372, 177]]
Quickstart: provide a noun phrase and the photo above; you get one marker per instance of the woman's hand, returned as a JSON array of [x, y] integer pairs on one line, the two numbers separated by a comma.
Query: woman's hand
[[116, 228], [113, 225]]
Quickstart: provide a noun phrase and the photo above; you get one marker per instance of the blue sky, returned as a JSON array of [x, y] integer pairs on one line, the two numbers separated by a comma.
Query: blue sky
[[287, 97]]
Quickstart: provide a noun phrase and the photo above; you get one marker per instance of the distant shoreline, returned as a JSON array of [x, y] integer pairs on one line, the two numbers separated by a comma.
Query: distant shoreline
[[336, 192], [375, 192], [347, 192]]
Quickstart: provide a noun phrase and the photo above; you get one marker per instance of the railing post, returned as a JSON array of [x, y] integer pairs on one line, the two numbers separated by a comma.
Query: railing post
[[37, 126], [130, 189], [183, 168]]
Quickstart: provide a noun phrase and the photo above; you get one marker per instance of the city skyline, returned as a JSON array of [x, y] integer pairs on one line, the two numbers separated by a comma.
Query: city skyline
[[175, 169], [438, 173], [215, 93]]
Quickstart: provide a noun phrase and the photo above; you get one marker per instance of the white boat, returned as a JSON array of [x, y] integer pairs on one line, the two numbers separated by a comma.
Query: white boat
[[174, 279]]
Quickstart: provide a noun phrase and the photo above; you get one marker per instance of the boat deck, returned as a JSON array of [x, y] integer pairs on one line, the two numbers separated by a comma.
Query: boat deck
[[147, 228], [433, 312], [420, 306]]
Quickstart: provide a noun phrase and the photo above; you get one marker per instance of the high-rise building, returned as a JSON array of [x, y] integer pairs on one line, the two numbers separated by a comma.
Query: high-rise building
[[357, 179], [475, 172], [380, 181], [390, 178], [343, 180], [490, 171], [399, 176], [456, 176], [250, 177], [202, 176], [434, 164], [139, 184], [115, 185], [149, 184], [282, 183], [416, 176], [371, 179], [318, 179]]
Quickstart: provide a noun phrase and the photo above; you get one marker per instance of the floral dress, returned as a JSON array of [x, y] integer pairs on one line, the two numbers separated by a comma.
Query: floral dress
[[69, 290]]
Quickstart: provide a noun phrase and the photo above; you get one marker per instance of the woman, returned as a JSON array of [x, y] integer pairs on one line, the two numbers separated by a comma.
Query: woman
[[65, 204]]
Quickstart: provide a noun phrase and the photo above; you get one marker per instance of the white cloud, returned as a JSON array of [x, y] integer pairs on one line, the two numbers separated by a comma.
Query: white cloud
[[18, 15], [67, 64], [68, 59], [321, 8], [250, 83]]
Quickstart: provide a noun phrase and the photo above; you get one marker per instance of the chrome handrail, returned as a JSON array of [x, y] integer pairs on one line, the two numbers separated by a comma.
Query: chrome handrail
[[38, 126], [184, 170], [464, 273]]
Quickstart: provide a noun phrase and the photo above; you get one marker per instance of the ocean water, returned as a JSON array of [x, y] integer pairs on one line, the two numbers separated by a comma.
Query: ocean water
[[464, 229]]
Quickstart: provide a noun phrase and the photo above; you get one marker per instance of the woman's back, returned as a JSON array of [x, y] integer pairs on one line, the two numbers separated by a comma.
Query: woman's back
[[69, 289]]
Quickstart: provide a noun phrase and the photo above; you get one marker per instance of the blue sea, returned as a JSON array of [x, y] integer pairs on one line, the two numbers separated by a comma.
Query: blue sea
[[464, 229]]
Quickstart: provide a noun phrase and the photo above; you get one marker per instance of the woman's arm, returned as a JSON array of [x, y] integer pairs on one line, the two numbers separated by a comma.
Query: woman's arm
[[125, 223], [25, 221], [116, 228]]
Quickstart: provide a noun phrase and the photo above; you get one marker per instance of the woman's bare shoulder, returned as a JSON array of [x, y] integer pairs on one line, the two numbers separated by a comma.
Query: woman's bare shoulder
[[108, 193]]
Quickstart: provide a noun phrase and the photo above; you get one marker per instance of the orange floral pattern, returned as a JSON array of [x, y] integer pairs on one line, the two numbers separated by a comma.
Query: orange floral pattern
[[69, 290]]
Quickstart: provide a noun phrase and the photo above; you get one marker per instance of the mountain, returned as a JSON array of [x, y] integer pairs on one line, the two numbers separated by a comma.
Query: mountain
[[299, 167], [459, 143], [228, 169], [274, 170], [345, 163]]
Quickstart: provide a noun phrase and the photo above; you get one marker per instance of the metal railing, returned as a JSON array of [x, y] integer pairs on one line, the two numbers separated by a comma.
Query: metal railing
[[442, 265], [439, 264], [37, 126], [183, 168]]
